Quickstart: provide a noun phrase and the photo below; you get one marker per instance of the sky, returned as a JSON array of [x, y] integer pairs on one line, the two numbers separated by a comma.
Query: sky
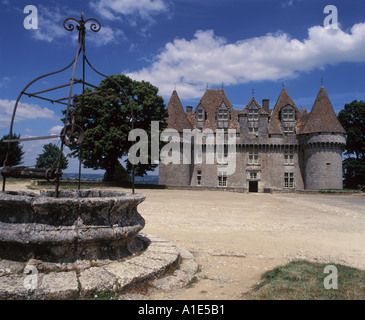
[[245, 46]]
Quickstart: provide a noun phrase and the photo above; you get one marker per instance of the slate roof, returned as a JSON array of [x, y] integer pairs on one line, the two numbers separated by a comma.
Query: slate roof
[[322, 117], [211, 100], [302, 118], [177, 118]]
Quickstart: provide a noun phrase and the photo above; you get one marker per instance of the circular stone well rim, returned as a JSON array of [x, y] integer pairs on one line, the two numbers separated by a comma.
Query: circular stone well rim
[[79, 224]]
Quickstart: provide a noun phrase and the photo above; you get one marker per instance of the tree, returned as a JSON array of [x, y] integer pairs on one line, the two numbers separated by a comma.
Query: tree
[[107, 123], [50, 156], [352, 118], [354, 172], [14, 150]]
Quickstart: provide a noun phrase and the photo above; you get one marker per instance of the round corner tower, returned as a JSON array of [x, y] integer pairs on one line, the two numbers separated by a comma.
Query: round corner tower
[[176, 174], [322, 140]]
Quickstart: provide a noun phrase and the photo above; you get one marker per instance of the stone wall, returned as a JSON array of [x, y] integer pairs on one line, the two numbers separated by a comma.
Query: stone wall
[[317, 164], [322, 158]]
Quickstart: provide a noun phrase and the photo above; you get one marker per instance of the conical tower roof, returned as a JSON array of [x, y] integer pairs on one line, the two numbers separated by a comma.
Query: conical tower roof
[[177, 118], [322, 117]]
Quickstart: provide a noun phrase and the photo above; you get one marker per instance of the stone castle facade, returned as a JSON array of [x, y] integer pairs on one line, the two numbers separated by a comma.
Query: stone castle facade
[[283, 148]]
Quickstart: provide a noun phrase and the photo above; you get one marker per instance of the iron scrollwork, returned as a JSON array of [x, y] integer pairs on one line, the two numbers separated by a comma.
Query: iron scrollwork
[[81, 24]]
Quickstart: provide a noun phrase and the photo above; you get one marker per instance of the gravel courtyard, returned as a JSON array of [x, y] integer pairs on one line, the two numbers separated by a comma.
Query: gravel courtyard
[[236, 237]]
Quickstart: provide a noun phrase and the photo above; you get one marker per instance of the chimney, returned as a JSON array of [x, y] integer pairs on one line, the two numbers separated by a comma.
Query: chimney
[[189, 109], [265, 104]]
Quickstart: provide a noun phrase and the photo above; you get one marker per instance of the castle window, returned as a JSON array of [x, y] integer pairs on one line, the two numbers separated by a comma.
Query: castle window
[[199, 178], [223, 114], [200, 116], [289, 180], [222, 179], [198, 156], [254, 130], [200, 113], [222, 157], [288, 114], [288, 129], [253, 157], [253, 175], [289, 158], [253, 115]]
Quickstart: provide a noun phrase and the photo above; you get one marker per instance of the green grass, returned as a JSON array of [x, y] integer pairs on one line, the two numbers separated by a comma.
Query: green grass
[[303, 280], [192, 282], [104, 295]]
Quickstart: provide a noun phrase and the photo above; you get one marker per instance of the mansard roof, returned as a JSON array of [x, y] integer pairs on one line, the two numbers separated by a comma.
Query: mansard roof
[[275, 122], [177, 118], [322, 117]]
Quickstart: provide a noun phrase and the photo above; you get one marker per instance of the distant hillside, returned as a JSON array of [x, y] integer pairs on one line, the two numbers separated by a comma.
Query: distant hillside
[[152, 179], [146, 180], [84, 176]]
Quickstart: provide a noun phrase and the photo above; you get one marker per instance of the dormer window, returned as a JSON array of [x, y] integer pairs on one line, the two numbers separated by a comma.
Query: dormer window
[[288, 130], [200, 114], [222, 114], [253, 115], [288, 114]]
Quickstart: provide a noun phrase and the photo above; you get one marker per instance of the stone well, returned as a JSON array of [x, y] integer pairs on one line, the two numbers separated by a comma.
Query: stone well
[[78, 225]]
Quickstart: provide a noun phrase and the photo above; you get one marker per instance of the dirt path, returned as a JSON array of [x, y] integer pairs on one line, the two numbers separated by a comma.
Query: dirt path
[[236, 237]]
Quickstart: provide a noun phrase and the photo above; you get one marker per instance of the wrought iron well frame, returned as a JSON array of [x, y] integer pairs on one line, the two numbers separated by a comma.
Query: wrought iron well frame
[[70, 131]]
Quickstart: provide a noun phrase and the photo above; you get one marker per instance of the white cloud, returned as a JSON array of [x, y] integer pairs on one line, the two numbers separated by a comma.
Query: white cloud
[[50, 27], [287, 3], [25, 111], [4, 81], [56, 130], [208, 58], [32, 149], [105, 36], [143, 9]]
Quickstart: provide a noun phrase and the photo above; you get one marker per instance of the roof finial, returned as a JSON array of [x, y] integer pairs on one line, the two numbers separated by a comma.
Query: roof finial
[[175, 86], [222, 84], [207, 85], [283, 84], [253, 92], [322, 82]]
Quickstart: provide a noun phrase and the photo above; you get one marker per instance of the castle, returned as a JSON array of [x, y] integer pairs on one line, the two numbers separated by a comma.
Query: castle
[[283, 148]]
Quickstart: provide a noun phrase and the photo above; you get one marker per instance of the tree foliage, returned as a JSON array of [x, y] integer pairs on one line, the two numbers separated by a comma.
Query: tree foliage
[[49, 158], [15, 149], [107, 123], [354, 172], [352, 118]]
